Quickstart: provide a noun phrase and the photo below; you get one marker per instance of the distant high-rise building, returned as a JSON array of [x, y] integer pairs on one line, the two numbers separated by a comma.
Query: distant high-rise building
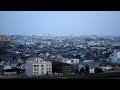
[[3, 38]]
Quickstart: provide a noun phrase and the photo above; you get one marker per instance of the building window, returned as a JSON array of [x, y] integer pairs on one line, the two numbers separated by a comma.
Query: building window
[[49, 68], [42, 68], [34, 72], [37, 69], [49, 71], [41, 65], [34, 69], [37, 72], [37, 65], [34, 65], [42, 72], [72, 61], [47, 65]]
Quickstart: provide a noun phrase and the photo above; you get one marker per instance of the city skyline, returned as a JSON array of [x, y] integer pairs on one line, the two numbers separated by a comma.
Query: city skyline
[[60, 22]]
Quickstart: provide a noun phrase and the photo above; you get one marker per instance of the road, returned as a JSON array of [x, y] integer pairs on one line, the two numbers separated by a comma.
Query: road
[[104, 75], [13, 76]]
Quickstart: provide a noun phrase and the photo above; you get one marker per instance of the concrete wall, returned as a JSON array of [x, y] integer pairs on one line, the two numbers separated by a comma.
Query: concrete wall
[[38, 68]]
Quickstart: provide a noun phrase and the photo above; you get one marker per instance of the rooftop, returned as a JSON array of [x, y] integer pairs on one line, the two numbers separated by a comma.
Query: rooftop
[[37, 60]]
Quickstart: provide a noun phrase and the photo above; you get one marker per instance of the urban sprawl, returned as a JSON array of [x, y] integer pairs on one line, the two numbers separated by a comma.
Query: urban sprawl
[[39, 56]]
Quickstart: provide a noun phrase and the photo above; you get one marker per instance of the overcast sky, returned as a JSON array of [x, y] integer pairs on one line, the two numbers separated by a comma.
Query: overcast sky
[[60, 22]]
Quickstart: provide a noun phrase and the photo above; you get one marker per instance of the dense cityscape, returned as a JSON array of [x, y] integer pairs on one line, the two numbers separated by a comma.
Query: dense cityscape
[[60, 44], [23, 56]]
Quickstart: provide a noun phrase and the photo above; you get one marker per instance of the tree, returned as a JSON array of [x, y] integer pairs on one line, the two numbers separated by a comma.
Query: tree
[[82, 70], [76, 71], [98, 70], [86, 68]]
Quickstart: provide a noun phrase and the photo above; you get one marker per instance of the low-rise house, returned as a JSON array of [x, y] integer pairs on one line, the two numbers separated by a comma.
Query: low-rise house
[[106, 67], [80, 46], [93, 66], [9, 70], [90, 67], [117, 67], [98, 47], [70, 61], [87, 61]]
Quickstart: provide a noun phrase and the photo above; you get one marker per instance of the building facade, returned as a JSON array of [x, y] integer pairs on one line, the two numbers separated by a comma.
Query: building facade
[[62, 68], [36, 66], [115, 56], [3, 38]]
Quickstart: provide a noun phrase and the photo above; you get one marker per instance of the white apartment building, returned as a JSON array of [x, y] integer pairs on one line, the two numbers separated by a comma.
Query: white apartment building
[[36, 66]]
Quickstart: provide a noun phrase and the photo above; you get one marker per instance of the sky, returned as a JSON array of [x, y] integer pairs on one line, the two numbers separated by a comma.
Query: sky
[[60, 22]]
